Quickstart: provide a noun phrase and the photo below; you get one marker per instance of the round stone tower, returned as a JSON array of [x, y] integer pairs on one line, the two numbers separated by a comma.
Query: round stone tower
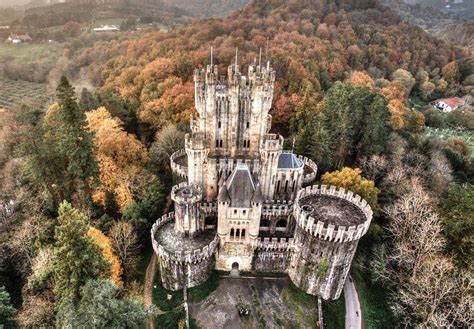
[[330, 223], [189, 220]]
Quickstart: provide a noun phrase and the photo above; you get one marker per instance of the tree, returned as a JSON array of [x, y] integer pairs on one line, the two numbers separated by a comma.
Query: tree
[[352, 180], [99, 307], [458, 222], [406, 79], [168, 140], [109, 255], [352, 122], [78, 257], [361, 79], [125, 243], [121, 157], [87, 101], [6, 309]]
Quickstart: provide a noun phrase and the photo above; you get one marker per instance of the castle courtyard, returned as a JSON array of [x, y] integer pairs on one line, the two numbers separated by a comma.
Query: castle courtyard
[[272, 303]]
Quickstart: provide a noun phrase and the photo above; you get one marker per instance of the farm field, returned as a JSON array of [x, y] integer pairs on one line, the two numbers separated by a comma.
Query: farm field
[[448, 133], [17, 92], [28, 52]]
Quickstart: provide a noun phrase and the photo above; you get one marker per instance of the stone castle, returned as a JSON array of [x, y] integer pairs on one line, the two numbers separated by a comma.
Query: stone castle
[[247, 204]]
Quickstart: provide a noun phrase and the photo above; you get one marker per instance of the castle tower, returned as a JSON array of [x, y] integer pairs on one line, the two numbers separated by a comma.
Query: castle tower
[[270, 153], [188, 219], [330, 223], [197, 151]]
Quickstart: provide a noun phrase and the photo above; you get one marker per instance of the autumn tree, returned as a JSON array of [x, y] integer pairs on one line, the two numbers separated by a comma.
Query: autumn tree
[[361, 79], [121, 156], [405, 78], [108, 253], [352, 180], [78, 257]]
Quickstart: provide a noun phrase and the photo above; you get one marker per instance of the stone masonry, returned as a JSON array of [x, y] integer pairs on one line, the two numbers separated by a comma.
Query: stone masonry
[[244, 205]]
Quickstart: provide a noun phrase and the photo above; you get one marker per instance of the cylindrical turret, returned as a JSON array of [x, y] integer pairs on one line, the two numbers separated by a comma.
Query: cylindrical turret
[[189, 220], [330, 223]]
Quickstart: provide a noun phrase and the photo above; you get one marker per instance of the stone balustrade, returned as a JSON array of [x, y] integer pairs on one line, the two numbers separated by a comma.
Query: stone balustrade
[[331, 232], [279, 208]]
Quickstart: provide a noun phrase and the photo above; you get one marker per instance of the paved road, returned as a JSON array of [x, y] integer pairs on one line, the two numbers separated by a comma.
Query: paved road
[[353, 313]]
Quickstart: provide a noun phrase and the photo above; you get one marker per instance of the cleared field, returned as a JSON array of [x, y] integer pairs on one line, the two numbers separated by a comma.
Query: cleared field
[[14, 93], [445, 134], [28, 52]]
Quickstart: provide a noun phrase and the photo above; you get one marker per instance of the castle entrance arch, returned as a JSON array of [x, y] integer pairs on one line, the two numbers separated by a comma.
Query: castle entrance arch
[[235, 269]]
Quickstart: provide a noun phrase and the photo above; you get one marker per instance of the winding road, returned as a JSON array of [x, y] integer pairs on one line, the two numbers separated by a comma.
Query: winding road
[[353, 312]]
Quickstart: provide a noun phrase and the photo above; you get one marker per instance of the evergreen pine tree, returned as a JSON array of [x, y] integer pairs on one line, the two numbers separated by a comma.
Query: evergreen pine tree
[[75, 141], [87, 101], [79, 259]]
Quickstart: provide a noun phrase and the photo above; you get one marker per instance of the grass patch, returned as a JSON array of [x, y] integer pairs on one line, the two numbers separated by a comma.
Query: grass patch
[[334, 313], [373, 302], [448, 133], [417, 103], [299, 303], [160, 296], [29, 52], [300, 297], [199, 293], [172, 319]]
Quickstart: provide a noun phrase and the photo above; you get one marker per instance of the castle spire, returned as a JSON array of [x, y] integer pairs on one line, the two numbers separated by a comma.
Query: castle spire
[[211, 58], [236, 56]]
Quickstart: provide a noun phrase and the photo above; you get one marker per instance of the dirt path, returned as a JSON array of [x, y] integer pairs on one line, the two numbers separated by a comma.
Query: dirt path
[[150, 277]]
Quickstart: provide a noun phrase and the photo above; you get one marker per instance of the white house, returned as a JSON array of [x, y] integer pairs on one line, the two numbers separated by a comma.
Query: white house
[[107, 28], [447, 105]]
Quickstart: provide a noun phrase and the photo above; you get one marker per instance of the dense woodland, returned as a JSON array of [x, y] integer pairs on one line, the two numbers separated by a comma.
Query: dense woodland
[[83, 180]]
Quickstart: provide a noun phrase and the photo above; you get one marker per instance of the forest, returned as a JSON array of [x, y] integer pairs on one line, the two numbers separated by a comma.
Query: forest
[[83, 180]]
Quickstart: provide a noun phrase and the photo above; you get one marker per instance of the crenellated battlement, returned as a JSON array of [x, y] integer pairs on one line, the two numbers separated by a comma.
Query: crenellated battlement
[[187, 257], [209, 208], [330, 231], [275, 244], [273, 142], [310, 170], [185, 193], [178, 162], [278, 208]]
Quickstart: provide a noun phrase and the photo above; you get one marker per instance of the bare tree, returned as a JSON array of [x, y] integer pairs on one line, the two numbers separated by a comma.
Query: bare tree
[[167, 141], [414, 228], [125, 243]]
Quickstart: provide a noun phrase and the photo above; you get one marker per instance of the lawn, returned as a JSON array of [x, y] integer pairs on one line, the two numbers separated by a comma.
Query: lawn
[[29, 52], [373, 302]]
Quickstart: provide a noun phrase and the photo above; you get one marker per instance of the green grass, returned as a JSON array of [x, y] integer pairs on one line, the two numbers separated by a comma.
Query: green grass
[[199, 293], [417, 103], [334, 313], [171, 319], [373, 299], [299, 296], [29, 52], [160, 295]]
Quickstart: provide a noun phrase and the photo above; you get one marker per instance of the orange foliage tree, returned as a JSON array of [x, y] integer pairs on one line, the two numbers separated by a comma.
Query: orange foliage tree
[[121, 156], [104, 243]]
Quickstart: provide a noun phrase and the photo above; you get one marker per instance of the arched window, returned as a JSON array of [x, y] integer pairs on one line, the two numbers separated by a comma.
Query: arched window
[[237, 233], [243, 233], [265, 223], [232, 233], [286, 186], [281, 223], [278, 186], [294, 185]]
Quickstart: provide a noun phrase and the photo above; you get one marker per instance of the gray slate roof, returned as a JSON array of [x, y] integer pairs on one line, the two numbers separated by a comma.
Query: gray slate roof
[[240, 186], [289, 160]]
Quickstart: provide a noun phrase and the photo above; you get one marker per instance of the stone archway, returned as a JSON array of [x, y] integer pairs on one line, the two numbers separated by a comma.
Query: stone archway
[[235, 269]]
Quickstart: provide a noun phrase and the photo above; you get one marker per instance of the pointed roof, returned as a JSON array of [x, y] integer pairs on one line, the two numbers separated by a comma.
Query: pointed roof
[[223, 194], [288, 160], [241, 187]]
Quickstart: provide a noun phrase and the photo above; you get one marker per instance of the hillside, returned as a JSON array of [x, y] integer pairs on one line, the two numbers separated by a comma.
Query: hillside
[[209, 8]]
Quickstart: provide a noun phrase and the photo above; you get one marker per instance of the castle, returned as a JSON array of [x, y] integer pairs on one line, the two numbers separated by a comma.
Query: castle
[[247, 204]]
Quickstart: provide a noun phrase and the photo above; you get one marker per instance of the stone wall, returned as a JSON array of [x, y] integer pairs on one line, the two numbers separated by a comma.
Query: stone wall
[[322, 253], [272, 255]]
